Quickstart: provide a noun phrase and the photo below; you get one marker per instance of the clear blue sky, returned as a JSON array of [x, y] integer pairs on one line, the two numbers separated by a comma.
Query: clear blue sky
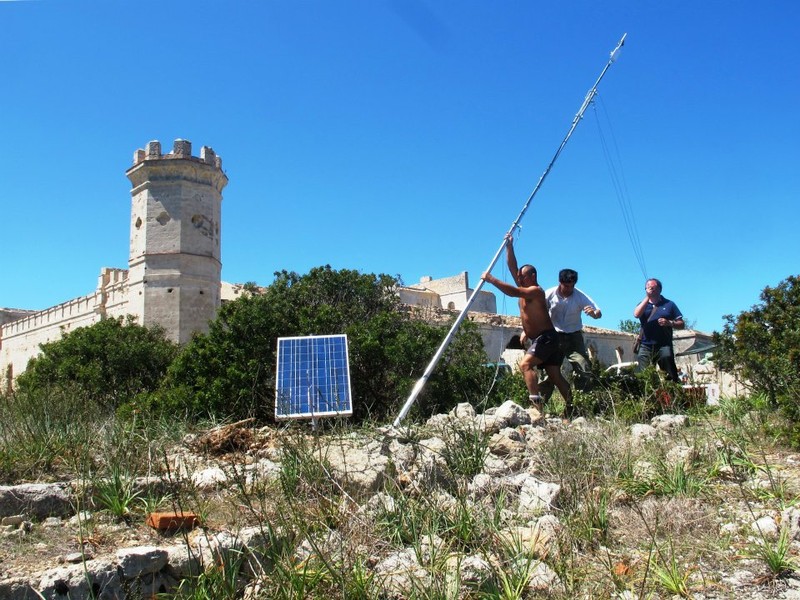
[[404, 137]]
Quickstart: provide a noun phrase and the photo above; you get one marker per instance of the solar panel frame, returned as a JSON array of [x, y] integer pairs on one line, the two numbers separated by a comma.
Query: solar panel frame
[[312, 378]]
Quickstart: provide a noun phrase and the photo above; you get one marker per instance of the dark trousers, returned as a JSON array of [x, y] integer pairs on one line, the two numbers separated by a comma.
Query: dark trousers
[[664, 356], [572, 347]]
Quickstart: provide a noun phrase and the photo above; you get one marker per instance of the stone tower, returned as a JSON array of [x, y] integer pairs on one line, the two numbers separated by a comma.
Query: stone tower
[[174, 267]]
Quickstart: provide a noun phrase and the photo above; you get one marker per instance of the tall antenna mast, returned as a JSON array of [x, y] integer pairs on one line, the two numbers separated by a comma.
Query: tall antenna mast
[[418, 387]]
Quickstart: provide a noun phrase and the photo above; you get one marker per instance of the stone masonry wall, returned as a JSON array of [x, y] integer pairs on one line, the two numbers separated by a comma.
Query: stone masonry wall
[[20, 339]]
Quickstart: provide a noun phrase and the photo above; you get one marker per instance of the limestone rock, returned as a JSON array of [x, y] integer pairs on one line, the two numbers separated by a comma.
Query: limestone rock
[[38, 500]]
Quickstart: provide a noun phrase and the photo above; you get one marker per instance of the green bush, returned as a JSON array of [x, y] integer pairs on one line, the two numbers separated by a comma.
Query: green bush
[[762, 346], [633, 397], [230, 371], [108, 363]]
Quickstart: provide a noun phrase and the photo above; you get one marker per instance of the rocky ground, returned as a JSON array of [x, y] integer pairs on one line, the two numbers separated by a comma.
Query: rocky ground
[[55, 542]]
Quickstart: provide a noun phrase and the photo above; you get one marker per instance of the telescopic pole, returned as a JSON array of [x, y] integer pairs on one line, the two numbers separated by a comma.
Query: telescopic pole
[[418, 387]]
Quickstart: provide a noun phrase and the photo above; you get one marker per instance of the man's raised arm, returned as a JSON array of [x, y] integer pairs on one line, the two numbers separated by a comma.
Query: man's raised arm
[[511, 258]]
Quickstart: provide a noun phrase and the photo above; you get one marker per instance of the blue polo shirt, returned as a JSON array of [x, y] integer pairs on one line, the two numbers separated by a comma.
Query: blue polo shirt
[[653, 333]]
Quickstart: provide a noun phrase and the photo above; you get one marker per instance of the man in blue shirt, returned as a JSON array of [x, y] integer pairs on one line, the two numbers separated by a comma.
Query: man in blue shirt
[[658, 317]]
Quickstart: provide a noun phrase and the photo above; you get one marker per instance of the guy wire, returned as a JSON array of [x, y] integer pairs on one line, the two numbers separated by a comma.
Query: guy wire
[[617, 176]]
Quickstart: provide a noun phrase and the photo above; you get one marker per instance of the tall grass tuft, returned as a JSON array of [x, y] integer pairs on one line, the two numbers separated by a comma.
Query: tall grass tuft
[[217, 582], [466, 453], [117, 493], [674, 479], [43, 433], [775, 555], [671, 576]]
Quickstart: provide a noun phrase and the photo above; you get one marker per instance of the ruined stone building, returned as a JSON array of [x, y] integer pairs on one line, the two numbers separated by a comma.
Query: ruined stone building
[[174, 271]]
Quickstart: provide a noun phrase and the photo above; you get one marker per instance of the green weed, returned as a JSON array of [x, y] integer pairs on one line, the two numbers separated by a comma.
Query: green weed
[[43, 431], [406, 521], [590, 524], [775, 555], [672, 577], [220, 582], [117, 493], [668, 479], [467, 452], [291, 580]]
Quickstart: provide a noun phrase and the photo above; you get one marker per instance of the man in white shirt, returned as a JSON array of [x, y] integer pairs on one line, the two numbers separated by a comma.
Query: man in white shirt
[[566, 305]]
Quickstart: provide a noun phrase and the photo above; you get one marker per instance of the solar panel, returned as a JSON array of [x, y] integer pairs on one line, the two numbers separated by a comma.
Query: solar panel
[[313, 377]]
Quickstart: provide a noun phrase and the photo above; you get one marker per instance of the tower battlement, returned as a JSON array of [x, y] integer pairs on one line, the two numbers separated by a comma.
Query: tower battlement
[[180, 149], [175, 263]]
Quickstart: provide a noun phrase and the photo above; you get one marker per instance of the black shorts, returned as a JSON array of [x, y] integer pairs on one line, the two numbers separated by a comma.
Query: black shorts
[[545, 348]]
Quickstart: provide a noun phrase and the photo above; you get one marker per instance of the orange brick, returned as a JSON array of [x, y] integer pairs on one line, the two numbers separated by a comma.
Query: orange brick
[[172, 520]]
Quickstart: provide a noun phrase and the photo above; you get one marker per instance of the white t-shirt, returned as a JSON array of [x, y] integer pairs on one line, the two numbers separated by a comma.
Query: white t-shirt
[[565, 312]]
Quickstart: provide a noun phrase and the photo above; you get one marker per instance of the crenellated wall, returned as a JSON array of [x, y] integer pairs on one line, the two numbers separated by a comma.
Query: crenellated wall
[[21, 337]]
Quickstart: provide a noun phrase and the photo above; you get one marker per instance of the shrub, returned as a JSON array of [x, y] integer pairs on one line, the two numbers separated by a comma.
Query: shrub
[[108, 363], [230, 371], [762, 345]]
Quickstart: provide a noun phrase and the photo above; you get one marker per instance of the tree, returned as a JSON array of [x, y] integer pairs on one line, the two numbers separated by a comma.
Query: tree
[[630, 325], [230, 371], [110, 362], [763, 344]]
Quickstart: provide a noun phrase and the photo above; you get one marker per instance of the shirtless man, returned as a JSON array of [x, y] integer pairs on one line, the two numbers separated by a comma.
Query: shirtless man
[[537, 327]]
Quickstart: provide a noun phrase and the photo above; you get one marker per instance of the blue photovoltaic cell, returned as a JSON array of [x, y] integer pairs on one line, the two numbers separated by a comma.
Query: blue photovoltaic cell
[[313, 377]]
